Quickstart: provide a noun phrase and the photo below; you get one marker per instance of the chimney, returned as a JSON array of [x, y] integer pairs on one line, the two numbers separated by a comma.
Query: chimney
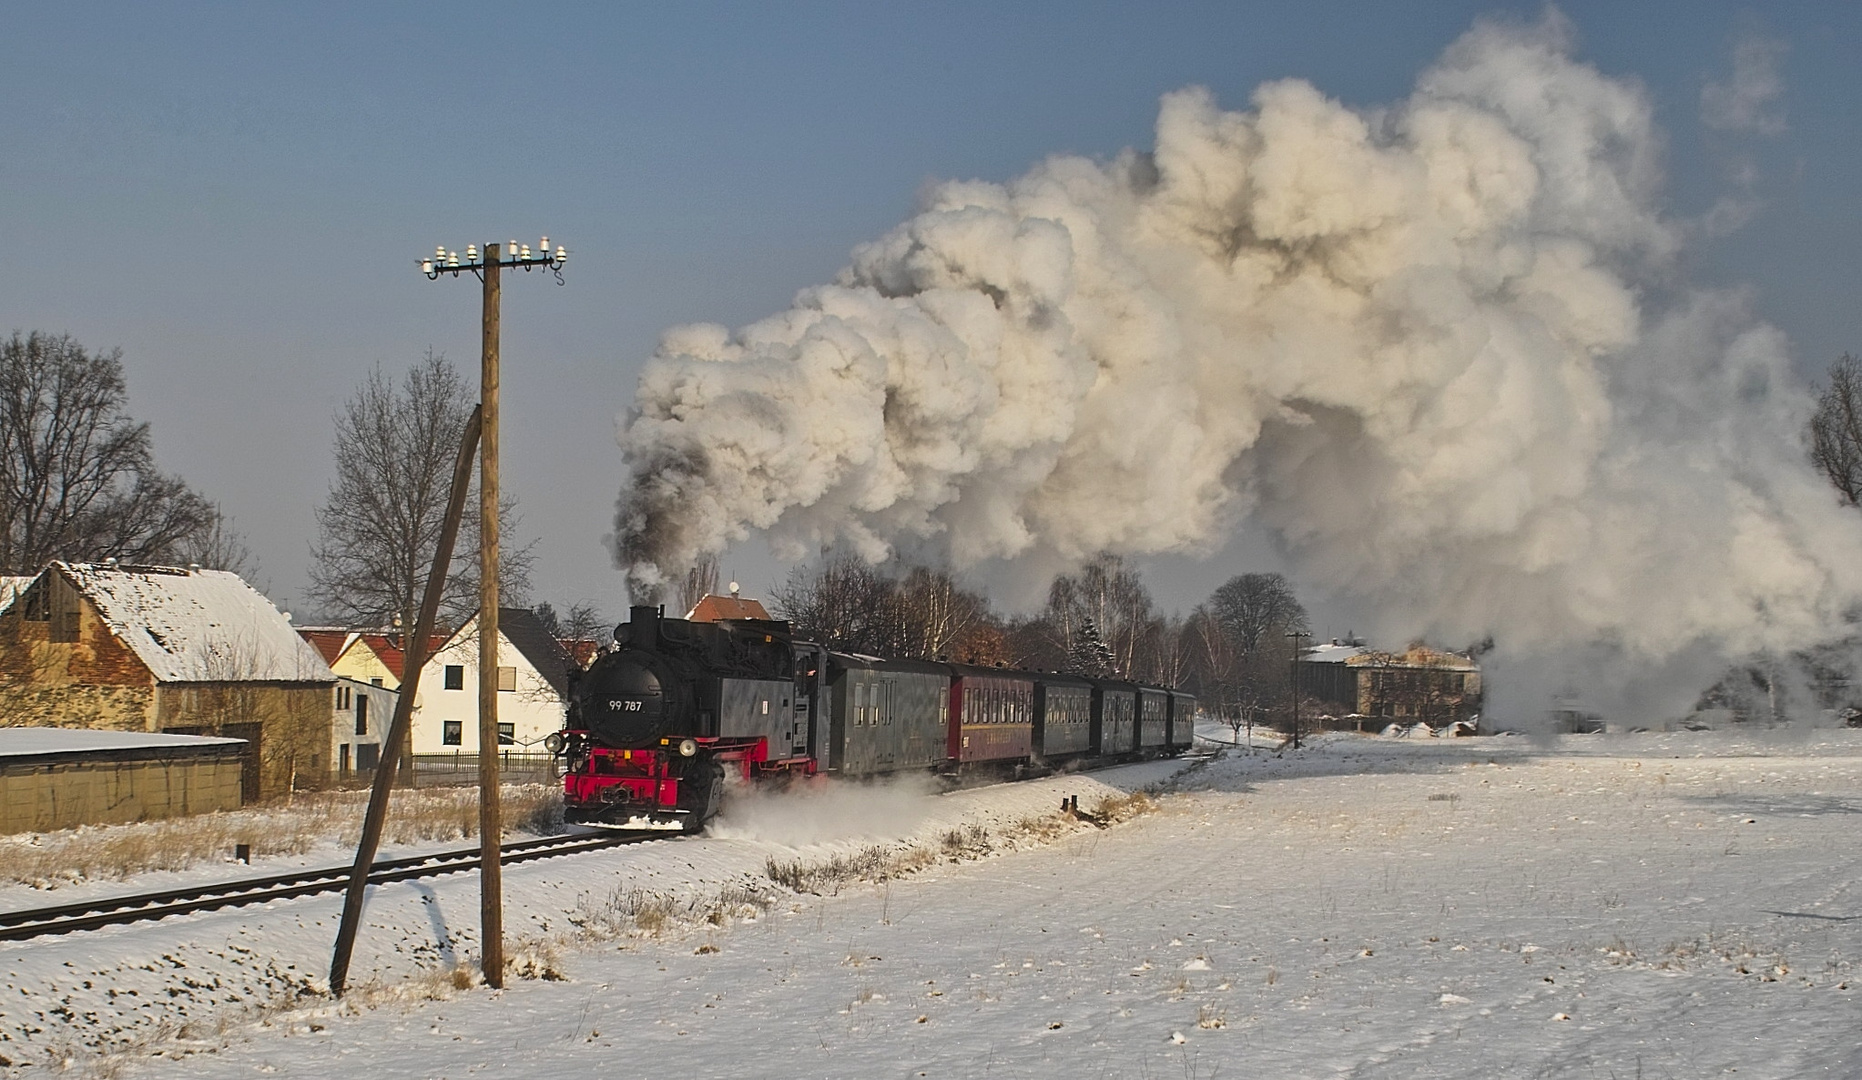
[[645, 626]]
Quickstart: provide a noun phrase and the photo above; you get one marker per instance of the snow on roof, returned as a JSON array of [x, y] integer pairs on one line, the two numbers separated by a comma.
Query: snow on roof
[[33, 741], [1333, 653], [11, 587], [196, 625]]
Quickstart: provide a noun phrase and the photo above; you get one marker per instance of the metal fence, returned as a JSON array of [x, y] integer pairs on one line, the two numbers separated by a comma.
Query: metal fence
[[514, 767]]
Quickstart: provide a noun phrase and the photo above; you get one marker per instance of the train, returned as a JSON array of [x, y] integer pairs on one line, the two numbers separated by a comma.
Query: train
[[657, 727]]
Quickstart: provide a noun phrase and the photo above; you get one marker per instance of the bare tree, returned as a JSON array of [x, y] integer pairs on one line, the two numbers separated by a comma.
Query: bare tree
[[700, 581], [935, 614], [1836, 429], [847, 603], [1255, 607], [582, 622], [1114, 598], [220, 546], [77, 476], [844, 603], [376, 533]]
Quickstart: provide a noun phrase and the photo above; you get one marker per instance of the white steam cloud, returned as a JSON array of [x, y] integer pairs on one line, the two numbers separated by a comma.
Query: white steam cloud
[[1440, 350]]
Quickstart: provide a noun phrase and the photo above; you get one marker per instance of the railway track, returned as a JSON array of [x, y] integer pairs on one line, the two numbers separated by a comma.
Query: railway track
[[140, 907]]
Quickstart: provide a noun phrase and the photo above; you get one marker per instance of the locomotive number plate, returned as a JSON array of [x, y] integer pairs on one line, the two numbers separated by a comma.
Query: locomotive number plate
[[626, 706]]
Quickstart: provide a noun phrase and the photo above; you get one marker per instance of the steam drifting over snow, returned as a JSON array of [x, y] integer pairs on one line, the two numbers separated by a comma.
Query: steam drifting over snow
[[1439, 350]]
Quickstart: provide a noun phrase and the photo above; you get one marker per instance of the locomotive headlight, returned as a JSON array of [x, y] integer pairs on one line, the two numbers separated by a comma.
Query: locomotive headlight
[[553, 742], [688, 748]]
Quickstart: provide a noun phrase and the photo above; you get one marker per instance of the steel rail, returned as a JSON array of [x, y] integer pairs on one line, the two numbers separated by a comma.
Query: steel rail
[[140, 907]]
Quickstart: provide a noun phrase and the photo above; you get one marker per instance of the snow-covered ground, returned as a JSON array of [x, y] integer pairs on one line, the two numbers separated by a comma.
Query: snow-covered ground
[[1656, 905]]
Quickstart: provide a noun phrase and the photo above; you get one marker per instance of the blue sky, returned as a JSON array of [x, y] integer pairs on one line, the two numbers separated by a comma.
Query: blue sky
[[236, 195]]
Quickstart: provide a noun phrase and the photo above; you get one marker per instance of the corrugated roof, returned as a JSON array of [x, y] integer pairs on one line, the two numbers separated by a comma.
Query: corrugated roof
[[33, 741], [715, 608], [196, 625]]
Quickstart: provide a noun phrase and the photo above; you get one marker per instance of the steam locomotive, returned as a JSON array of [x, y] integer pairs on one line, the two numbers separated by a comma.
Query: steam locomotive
[[656, 726]]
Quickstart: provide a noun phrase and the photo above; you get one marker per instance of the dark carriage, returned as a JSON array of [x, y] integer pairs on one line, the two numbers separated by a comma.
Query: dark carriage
[[1063, 718], [886, 715]]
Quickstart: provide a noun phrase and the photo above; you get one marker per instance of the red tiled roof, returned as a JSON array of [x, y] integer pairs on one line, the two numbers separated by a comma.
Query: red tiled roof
[[714, 608], [388, 650], [581, 650], [328, 643]]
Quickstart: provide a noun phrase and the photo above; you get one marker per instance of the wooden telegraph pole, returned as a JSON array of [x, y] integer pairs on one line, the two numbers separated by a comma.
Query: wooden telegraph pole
[[484, 434], [1293, 682], [490, 825]]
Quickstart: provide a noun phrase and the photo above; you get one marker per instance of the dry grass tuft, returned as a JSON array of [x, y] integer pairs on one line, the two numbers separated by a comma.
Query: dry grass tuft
[[292, 826]]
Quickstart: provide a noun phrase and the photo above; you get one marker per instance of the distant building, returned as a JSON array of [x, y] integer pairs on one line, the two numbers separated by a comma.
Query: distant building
[[362, 715], [165, 649], [1420, 684], [378, 659], [582, 651], [63, 778], [533, 688], [715, 608]]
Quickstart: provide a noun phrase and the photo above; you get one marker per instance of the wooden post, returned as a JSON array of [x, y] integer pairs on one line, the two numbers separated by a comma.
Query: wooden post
[[1293, 683], [400, 729], [490, 827]]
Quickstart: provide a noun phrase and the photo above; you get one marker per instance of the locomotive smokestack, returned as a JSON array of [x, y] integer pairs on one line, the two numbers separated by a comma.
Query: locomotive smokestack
[[645, 621]]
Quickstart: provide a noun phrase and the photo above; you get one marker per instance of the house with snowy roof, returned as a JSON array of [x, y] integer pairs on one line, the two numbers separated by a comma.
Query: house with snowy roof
[[533, 689], [167, 649], [1417, 685]]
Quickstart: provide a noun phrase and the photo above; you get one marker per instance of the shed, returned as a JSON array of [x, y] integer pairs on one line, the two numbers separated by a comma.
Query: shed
[[60, 778]]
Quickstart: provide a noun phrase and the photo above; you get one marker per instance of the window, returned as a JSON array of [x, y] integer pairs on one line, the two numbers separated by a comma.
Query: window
[[376, 681], [343, 757], [368, 755], [362, 716], [507, 678], [342, 697], [455, 676], [452, 733], [507, 734]]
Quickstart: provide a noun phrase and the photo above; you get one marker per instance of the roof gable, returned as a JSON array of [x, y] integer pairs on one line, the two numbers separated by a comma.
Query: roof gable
[[715, 608], [389, 649], [196, 625], [523, 631], [328, 643]]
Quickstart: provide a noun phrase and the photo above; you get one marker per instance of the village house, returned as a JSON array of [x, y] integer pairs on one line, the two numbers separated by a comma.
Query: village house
[[533, 688], [1418, 685], [172, 650]]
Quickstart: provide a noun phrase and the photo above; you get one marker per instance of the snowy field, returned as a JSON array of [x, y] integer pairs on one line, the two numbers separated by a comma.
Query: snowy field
[[1673, 905]]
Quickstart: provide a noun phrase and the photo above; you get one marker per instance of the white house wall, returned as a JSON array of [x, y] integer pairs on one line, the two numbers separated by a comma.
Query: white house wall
[[533, 708]]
